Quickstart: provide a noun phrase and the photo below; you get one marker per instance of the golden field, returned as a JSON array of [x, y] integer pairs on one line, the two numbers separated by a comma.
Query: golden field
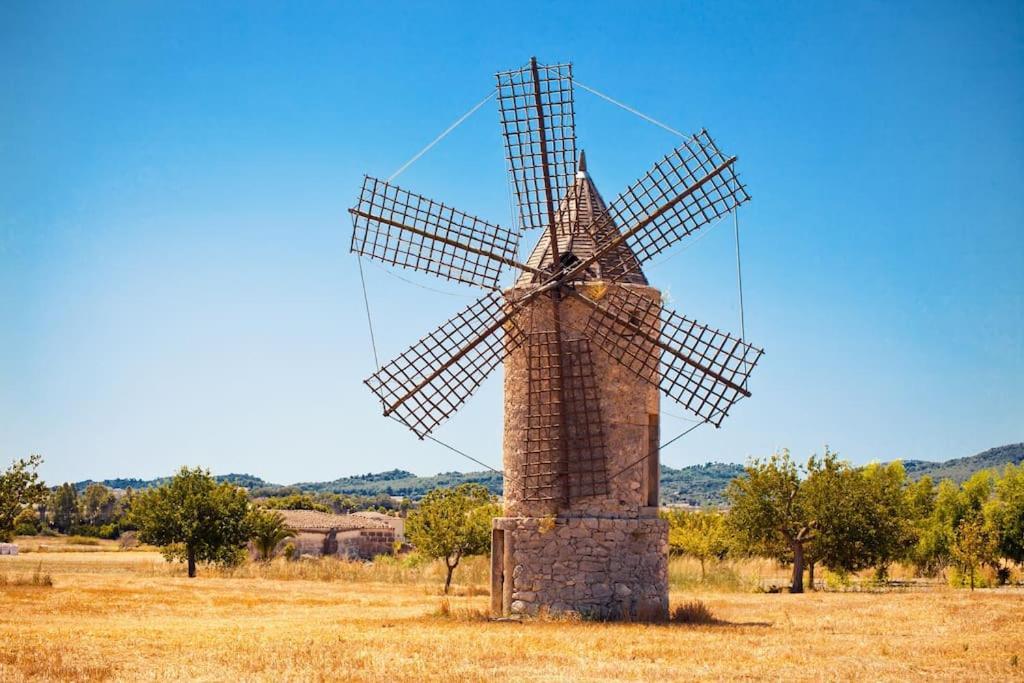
[[113, 615]]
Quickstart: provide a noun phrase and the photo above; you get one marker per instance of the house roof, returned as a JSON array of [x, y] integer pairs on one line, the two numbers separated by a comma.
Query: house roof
[[314, 520], [582, 223]]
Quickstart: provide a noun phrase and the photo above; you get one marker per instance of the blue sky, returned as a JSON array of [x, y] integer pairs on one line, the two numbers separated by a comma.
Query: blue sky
[[175, 282]]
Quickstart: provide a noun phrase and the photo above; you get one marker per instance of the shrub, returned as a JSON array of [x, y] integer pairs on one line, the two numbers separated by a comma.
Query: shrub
[[27, 522], [693, 612], [81, 540]]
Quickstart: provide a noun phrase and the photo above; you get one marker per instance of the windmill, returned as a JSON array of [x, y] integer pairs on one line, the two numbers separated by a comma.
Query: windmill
[[587, 346]]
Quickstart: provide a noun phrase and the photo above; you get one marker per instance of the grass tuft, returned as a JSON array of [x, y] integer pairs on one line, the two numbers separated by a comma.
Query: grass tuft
[[693, 612], [37, 579]]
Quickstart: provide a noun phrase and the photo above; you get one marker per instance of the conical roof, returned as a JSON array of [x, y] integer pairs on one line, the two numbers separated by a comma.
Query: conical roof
[[579, 236]]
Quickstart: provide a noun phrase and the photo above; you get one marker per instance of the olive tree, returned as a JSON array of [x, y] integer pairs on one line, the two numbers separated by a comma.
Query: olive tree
[[699, 533], [1005, 513], [770, 512], [451, 523], [19, 487], [194, 519]]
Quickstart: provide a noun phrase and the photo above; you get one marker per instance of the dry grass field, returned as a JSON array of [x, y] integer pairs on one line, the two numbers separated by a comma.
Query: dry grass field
[[129, 616]]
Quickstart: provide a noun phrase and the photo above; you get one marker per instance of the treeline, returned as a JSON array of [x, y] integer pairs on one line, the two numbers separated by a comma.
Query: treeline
[[102, 512], [338, 503], [97, 512], [848, 519]]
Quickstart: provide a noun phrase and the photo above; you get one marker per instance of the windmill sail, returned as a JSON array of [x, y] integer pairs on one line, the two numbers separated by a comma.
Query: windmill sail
[[400, 228], [538, 123], [433, 378], [703, 369], [689, 188]]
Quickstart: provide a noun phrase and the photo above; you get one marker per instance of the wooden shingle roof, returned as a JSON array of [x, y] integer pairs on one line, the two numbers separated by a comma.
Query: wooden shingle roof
[[579, 232]]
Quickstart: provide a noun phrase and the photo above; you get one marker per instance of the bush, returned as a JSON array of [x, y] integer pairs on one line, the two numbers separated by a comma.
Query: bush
[[107, 531], [27, 519], [81, 540], [693, 612], [289, 551]]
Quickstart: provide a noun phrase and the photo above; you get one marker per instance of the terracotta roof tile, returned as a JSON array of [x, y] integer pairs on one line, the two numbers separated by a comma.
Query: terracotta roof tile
[[314, 520]]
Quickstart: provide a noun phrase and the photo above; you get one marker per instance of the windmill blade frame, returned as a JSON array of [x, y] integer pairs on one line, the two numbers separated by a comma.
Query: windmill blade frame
[[428, 382], [538, 124], [703, 369], [689, 188], [401, 228]]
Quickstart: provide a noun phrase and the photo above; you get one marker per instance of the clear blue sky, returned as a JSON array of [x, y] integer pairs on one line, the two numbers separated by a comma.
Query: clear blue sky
[[175, 282]]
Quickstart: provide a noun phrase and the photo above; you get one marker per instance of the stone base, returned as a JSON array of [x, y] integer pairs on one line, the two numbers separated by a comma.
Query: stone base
[[606, 568]]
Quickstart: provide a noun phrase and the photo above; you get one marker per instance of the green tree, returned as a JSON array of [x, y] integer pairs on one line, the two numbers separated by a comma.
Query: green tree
[[1005, 513], [195, 519], [973, 545], [837, 504], [700, 534], [98, 504], [19, 488], [770, 512], [63, 508], [296, 501], [27, 522], [452, 523], [888, 531], [920, 506], [268, 529]]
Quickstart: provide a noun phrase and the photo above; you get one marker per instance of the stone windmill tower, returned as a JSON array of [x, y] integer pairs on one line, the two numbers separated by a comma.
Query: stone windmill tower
[[587, 345]]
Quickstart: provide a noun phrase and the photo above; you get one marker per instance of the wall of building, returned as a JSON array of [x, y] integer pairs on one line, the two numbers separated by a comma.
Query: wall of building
[[606, 555], [613, 568]]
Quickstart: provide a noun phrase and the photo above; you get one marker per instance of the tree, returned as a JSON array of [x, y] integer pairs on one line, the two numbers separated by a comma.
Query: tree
[[973, 545], [699, 534], [268, 529], [296, 501], [195, 519], [920, 505], [452, 523], [769, 512], [27, 522], [836, 503], [97, 505], [889, 533], [1005, 514], [63, 508], [19, 488]]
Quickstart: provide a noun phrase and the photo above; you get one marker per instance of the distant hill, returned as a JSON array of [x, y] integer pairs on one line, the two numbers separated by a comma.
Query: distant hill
[[697, 484], [401, 483], [246, 480], [693, 485], [961, 469]]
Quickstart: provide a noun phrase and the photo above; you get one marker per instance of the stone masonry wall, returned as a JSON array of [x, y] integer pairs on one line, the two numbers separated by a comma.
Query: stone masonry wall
[[613, 568]]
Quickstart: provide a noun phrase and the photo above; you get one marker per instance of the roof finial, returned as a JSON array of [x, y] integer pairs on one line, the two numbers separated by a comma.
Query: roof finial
[[581, 165]]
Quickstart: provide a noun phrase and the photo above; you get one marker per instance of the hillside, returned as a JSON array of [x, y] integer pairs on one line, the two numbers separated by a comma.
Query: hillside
[[961, 469], [693, 485], [697, 484]]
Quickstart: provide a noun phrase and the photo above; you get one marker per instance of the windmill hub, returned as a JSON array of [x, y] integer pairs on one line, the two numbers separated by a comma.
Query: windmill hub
[[587, 343]]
